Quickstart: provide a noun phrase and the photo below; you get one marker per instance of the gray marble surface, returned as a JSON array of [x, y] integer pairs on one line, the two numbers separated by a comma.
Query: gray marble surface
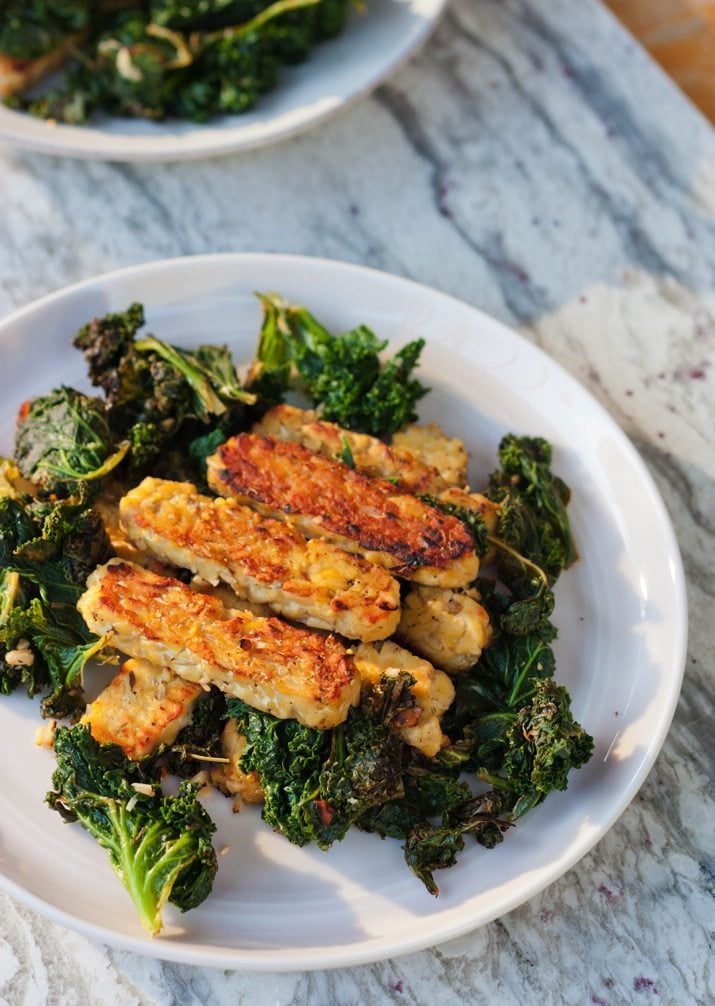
[[534, 162]]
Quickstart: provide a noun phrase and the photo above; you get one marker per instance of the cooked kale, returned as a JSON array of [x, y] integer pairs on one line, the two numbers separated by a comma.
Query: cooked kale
[[159, 846], [192, 60], [47, 551], [63, 440], [160, 396], [202, 737], [342, 374], [433, 816], [31, 29], [533, 520], [318, 782]]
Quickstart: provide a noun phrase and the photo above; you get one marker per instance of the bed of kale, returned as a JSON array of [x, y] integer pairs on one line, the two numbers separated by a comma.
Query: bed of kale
[[162, 410], [158, 59]]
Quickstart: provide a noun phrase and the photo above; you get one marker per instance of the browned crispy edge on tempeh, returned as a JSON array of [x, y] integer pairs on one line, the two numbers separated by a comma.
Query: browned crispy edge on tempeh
[[326, 498], [281, 669]]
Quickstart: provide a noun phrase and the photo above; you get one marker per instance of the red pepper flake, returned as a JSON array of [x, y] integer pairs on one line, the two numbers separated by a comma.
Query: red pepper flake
[[325, 811]]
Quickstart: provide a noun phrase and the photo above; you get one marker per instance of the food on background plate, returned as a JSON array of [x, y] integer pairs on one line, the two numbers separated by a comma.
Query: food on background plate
[[156, 59], [265, 660]]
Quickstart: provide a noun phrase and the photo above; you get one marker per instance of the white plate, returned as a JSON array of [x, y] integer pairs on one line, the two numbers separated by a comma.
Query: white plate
[[375, 43], [621, 611]]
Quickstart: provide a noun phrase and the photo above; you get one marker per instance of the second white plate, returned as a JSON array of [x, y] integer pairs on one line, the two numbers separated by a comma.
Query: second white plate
[[376, 42]]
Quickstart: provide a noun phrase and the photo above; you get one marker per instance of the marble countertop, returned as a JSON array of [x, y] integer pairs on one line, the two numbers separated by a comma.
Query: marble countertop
[[532, 161]]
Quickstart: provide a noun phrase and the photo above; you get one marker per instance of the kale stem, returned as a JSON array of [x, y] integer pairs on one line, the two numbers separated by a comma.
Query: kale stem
[[514, 694], [527, 563], [275, 10]]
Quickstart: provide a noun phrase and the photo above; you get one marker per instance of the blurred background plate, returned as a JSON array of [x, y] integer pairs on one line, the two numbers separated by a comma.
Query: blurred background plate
[[377, 40]]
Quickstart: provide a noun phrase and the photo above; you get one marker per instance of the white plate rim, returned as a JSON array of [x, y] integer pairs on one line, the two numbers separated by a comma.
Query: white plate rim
[[241, 133], [367, 952]]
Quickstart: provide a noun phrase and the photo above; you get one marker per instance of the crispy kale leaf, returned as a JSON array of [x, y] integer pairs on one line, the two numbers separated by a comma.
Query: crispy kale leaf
[[198, 741], [533, 542], [533, 519], [47, 550], [509, 721], [63, 440], [318, 782], [158, 395], [433, 816], [159, 846], [342, 374]]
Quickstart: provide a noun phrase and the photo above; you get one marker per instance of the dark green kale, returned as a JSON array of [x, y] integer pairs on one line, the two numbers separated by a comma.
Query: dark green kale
[[63, 440], [318, 782], [200, 741], [342, 374], [159, 396], [509, 722], [533, 519], [433, 816], [206, 15], [544, 743], [159, 846], [32, 29], [533, 541], [47, 551]]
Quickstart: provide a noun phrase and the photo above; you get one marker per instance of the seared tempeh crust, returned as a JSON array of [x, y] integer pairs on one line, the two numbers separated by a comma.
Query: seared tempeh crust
[[143, 706], [370, 455], [325, 498], [450, 628], [262, 559], [275, 667]]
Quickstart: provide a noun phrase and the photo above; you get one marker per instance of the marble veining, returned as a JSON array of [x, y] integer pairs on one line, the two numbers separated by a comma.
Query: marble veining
[[533, 161]]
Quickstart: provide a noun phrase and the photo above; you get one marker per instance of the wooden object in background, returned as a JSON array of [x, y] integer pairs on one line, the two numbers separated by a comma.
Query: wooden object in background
[[680, 35]]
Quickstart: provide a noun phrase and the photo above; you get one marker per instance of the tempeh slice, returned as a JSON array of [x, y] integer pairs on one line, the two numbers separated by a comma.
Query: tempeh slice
[[325, 498], [275, 667], [142, 707], [450, 628], [262, 559], [370, 455], [433, 691]]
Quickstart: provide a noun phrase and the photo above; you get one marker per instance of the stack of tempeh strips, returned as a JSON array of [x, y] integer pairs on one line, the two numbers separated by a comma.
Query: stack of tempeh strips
[[294, 532]]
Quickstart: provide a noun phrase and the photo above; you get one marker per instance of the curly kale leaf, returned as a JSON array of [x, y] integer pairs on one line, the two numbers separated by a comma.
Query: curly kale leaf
[[533, 519], [47, 551], [159, 846], [342, 374], [318, 782], [200, 740], [157, 392], [63, 440], [433, 816], [543, 743], [289, 758]]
